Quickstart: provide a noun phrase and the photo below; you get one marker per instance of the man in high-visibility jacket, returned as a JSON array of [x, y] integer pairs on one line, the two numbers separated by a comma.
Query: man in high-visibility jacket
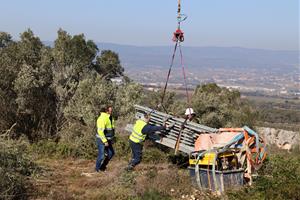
[[140, 130], [104, 138]]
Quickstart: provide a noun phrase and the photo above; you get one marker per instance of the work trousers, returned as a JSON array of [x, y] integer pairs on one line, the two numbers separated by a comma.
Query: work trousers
[[137, 153], [105, 154]]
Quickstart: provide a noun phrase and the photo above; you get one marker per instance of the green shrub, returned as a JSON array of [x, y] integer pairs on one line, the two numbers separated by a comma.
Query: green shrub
[[219, 107], [181, 160], [279, 178], [44, 147], [154, 155], [151, 173], [128, 179], [122, 148], [79, 149], [15, 166], [154, 195], [12, 185]]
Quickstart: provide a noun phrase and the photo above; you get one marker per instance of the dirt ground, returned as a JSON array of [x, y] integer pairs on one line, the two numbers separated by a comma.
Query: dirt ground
[[76, 179], [72, 179]]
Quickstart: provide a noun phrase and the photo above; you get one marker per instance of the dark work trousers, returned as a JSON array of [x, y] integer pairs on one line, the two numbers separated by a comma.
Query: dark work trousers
[[105, 154], [137, 152]]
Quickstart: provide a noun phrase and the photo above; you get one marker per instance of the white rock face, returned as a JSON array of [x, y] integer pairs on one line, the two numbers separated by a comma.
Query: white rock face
[[282, 138]]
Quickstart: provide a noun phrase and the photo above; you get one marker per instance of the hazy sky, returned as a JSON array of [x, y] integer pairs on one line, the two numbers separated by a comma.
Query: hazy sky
[[268, 24]]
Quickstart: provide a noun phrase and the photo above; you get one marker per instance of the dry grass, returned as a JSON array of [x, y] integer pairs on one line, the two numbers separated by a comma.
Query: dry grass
[[63, 179]]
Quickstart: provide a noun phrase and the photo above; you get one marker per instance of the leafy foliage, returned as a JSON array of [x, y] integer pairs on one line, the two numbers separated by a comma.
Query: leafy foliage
[[8, 72], [15, 166], [278, 179], [220, 107], [154, 155], [108, 64], [72, 58], [125, 98], [24, 86], [93, 92], [39, 84], [154, 98], [5, 39]]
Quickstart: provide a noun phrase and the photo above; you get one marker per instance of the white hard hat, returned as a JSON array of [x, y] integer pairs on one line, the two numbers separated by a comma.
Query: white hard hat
[[189, 111]]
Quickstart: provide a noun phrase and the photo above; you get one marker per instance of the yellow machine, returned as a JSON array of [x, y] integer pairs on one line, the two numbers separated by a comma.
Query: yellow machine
[[225, 160]]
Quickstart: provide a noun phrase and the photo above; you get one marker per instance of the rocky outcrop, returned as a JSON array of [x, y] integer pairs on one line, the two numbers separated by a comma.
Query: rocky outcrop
[[282, 138]]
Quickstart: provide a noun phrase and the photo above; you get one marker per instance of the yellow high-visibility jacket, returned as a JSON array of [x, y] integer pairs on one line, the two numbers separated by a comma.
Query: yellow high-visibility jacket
[[105, 127], [137, 136]]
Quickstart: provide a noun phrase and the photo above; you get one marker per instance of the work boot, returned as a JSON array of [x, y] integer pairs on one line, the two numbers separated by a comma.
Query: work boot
[[102, 168], [129, 168]]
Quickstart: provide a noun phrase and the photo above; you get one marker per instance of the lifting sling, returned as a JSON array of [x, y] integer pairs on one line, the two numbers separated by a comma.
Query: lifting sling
[[178, 37]]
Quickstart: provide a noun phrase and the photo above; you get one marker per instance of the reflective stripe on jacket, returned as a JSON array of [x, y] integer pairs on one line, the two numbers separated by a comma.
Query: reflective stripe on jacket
[[105, 127], [137, 136]]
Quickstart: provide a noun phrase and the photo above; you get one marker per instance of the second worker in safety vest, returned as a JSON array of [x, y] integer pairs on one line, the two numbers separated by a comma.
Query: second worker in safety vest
[[104, 138], [140, 130]]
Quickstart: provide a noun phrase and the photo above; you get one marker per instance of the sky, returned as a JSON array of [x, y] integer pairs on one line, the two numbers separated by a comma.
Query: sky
[[263, 24]]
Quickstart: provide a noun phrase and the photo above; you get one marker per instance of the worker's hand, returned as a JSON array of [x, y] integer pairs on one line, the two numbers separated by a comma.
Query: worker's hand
[[171, 125], [166, 119], [162, 132], [106, 144]]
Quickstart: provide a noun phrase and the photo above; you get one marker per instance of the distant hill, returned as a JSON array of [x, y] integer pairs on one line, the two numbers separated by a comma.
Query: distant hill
[[212, 57], [216, 57]]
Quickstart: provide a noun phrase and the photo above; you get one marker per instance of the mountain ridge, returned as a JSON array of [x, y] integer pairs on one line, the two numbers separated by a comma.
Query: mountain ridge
[[144, 56], [133, 56]]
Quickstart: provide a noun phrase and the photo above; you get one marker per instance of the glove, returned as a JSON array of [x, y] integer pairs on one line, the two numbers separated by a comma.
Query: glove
[[163, 133], [165, 121], [167, 118], [171, 125]]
